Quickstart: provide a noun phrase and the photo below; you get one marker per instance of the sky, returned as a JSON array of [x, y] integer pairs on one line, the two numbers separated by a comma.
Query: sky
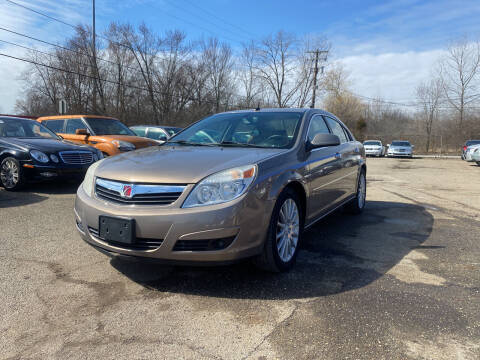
[[387, 47]]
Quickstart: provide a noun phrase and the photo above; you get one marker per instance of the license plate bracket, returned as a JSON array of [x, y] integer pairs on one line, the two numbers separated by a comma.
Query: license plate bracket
[[117, 229]]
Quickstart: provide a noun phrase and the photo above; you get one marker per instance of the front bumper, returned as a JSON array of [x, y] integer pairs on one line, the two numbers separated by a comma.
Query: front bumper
[[373, 152], [400, 154], [53, 171], [242, 223]]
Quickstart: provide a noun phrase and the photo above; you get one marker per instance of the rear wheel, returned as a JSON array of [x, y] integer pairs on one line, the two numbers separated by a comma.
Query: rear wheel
[[357, 205], [478, 163], [11, 174], [284, 234]]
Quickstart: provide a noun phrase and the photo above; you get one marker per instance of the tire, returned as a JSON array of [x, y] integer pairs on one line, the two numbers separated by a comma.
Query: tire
[[272, 258], [478, 163], [357, 205], [12, 176]]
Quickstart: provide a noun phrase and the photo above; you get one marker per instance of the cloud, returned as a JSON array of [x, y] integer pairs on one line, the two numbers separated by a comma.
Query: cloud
[[392, 75]]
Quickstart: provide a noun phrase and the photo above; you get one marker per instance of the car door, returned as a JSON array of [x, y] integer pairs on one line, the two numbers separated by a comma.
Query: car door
[[322, 171], [71, 126], [348, 155]]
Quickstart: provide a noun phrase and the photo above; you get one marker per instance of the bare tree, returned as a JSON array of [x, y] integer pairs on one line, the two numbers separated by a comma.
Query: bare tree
[[276, 63], [429, 96], [459, 72]]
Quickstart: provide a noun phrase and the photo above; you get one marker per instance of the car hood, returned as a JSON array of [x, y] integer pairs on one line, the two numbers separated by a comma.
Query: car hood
[[172, 164], [138, 141], [46, 145]]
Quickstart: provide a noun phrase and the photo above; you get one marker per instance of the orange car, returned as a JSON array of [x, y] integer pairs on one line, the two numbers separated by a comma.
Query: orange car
[[107, 134]]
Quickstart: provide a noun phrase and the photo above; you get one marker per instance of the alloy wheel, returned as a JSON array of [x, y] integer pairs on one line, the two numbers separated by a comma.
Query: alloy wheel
[[9, 174], [288, 229]]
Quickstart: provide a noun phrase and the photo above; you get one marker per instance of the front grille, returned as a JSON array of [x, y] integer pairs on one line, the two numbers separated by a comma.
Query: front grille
[[142, 194], [140, 243], [203, 245], [76, 157]]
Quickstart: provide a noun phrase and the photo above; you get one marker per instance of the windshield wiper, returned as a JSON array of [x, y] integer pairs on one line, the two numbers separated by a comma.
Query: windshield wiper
[[233, 143], [184, 142]]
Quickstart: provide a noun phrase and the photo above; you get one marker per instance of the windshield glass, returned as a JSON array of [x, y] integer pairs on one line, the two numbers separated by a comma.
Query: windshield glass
[[101, 126], [400, 143], [23, 128], [372, 143], [172, 130], [266, 130]]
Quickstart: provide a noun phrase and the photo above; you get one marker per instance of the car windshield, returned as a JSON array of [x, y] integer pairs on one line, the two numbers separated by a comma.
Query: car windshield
[[372, 143], [24, 128], [400, 143], [105, 126], [264, 130], [172, 130]]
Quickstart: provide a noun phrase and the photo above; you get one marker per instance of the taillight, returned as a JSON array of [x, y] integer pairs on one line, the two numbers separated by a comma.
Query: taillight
[[464, 147]]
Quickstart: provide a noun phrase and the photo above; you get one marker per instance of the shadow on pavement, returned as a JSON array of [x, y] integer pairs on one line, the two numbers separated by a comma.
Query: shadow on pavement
[[339, 253], [33, 193]]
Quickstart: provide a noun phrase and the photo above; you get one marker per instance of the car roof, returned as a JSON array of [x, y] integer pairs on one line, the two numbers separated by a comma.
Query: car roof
[[74, 116], [14, 118]]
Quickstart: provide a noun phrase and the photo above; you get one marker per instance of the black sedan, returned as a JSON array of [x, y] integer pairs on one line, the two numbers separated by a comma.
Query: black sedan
[[28, 150]]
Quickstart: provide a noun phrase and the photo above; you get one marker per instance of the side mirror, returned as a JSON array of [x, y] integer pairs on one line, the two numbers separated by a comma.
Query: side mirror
[[323, 140], [82, 132]]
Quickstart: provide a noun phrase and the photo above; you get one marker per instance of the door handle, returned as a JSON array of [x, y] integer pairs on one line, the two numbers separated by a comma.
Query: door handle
[[338, 156]]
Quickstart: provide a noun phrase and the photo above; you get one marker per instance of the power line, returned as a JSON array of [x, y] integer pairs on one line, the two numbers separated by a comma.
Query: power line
[[39, 13], [236, 33], [98, 78], [221, 19]]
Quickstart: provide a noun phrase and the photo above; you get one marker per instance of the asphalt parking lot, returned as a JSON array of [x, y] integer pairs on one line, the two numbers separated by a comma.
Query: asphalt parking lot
[[400, 281]]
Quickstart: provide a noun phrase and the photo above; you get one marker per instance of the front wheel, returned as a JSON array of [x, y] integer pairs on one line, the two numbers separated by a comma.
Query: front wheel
[[284, 234], [357, 205], [11, 174]]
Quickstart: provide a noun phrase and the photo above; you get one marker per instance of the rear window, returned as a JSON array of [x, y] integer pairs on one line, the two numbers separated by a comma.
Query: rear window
[[472, 142], [400, 143]]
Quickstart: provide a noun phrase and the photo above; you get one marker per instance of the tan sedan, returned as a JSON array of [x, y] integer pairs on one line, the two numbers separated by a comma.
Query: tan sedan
[[232, 186]]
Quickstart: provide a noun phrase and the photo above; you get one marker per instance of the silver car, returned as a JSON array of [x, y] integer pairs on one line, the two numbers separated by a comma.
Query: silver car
[[232, 186], [469, 152], [400, 148], [374, 148], [476, 155]]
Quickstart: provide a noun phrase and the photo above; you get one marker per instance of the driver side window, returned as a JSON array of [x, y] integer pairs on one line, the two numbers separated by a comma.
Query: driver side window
[[317, 126], [73, 125]]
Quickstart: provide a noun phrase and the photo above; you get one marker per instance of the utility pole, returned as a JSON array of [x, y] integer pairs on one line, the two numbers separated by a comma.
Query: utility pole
[[94, 52], [317, 53]]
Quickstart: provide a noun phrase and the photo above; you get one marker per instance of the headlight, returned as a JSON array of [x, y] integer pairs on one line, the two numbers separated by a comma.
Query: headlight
[[123, 145], [54, 158], [221, 187], [87, 183], [39, 156]]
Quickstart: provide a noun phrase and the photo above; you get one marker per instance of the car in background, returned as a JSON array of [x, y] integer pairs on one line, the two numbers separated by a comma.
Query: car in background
[[476, 155], [400, 148], [234, 185], [109, 135], [159, 133], [28, 150], [374, 148], [467, 144], [469, 152]]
